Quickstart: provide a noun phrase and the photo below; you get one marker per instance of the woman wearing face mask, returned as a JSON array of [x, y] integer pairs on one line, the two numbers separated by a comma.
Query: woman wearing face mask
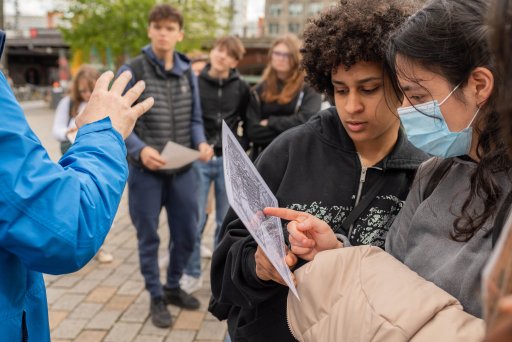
[[282, 100], [351, 164], [446, 229]]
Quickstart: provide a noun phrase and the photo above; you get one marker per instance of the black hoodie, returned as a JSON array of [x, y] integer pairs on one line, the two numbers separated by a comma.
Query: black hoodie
[[315, 168], [223, 99]]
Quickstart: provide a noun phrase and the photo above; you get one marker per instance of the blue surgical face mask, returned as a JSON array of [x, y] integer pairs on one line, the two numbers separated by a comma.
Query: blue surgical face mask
[[426, 129]]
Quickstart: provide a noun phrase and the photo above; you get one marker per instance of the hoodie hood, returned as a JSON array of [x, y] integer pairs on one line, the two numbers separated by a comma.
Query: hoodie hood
[[328, 127], [233, 75], [181, 63]]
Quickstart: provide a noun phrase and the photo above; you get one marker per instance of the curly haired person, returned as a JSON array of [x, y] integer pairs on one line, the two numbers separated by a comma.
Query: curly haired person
[[351, 165]]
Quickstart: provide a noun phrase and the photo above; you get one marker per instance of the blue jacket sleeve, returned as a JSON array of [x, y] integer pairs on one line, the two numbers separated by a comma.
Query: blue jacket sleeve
[[197, 126], [133, 143], [54, 217]]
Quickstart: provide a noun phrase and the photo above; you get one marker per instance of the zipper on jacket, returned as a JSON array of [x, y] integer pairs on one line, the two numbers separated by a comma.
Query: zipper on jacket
[[169, 90], [362, 179], [218, 137], [288, 321]]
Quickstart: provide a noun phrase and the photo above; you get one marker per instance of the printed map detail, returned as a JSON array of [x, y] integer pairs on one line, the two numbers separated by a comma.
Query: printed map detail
[[248, 195]]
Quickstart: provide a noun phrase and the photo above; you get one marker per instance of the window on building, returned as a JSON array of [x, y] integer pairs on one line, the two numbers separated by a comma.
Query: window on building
[[295, 9], [315, 8], [273, 29], [294, 28], [275, 10]]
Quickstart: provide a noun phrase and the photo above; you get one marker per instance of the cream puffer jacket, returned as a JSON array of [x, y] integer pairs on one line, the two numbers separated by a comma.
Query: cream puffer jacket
[[364, 294]]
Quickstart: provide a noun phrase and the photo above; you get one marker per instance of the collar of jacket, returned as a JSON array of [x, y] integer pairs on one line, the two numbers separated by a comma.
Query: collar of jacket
[[328, 126], [233, 75], [181, 63]]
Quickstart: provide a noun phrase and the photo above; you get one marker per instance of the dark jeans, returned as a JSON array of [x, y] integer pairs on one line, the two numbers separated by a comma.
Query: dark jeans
[[148, 193]]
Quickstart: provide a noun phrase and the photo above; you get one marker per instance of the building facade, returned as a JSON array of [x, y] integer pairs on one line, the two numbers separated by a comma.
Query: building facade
[[290, 16]]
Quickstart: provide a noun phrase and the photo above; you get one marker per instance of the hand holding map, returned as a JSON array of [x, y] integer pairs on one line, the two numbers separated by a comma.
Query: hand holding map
[[248, 195]]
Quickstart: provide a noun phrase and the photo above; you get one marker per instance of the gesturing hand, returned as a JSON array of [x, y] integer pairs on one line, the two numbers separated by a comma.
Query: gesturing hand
[[308, 234], [266, 271], [112, 103]]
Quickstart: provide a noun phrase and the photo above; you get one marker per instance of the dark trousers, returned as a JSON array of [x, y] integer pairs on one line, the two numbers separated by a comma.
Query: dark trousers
[[148, 192]]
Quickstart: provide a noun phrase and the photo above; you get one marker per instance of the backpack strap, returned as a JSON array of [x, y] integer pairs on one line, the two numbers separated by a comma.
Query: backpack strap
[[437, 176], [362, 205]]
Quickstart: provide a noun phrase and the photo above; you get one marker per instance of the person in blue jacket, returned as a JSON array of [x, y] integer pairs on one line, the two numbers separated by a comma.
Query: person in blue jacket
[[54, 217]]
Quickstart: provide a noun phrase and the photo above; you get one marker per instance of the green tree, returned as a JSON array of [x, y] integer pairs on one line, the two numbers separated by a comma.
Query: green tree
[[120, 26]]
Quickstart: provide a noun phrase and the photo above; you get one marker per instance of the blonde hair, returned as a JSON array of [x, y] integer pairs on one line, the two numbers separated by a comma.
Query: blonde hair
[[88, 73], [295, 80]]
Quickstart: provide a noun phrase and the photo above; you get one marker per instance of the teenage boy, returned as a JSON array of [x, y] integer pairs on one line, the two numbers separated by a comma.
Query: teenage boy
[[175, 116], [224, 96]]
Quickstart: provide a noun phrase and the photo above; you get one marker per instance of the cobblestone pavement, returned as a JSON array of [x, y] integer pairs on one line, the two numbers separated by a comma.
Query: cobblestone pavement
[[108, 302]]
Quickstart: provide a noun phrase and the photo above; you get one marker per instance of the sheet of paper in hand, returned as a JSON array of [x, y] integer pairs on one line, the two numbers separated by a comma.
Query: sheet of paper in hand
[[248, 195], [497, 274], [177, 155]]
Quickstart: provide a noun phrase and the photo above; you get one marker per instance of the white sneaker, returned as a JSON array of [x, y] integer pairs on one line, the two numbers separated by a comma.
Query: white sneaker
[[191, 284], [206, 252], [104, 257]]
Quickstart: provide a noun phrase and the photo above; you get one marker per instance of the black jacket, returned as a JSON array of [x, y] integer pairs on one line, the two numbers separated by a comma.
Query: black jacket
[[223, 99], [313, 168], [281, 117]]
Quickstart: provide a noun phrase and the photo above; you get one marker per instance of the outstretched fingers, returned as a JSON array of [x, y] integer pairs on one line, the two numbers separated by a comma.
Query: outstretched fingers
[[121, 82], [142, 107], [103, 81]]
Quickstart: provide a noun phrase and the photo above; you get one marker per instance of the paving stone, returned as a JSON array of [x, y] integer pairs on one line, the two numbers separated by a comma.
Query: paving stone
[[104, 320], [86, 310], [211, 330], [181, 336], [50, 278], [115, 279], [56, 317], [189, 320], [67, 281], [53, 294], [67, 302], [210, 317], [119, 302], [98, 274], [136, 313], [101, 294], [123, 332], [69, 328], [149, 338], [91, 336], [143, 299], [149, 329], [84, 286], [131, 287]]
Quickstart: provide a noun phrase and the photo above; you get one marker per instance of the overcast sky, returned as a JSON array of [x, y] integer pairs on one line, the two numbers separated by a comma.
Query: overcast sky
[[255, 8]]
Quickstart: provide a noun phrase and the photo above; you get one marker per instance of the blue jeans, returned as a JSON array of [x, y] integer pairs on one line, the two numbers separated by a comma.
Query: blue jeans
[[148, 192], [212, 171]]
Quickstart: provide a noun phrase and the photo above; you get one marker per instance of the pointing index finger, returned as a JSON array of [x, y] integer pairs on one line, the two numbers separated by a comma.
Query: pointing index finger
[[284, 213]]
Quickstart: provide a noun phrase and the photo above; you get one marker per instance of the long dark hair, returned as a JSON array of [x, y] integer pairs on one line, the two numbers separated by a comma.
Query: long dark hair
[[449, 38], [500, 20]]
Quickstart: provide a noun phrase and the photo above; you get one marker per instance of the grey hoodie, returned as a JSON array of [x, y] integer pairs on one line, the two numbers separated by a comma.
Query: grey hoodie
[[420, 234]]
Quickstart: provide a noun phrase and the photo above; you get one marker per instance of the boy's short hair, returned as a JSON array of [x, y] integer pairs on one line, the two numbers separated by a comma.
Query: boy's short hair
[[165, 12], [232, 44], [351, 31]]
